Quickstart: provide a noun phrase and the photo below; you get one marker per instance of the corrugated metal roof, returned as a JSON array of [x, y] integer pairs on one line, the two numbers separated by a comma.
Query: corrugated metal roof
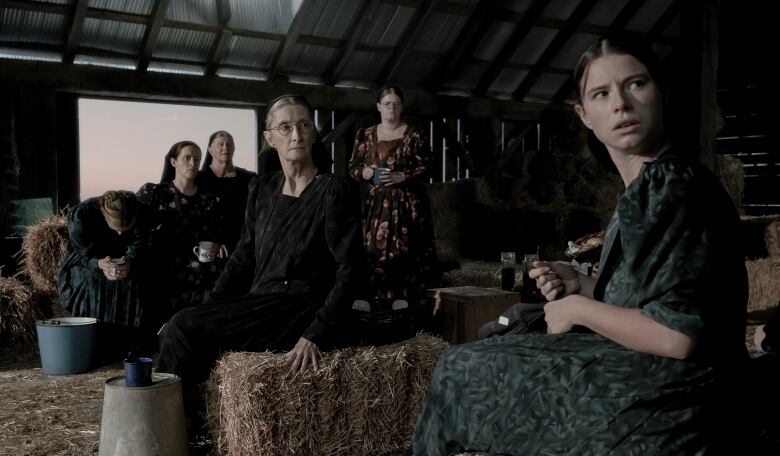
[[570, 52], [416, 70], [547, 85], [495, 38], [518, 6], [507, 81], [112, 36], [604, 12], [24, 54], [268, 16], [467, 77], [126, 6], [177, 68], [533, 45], [307, 58], [56, 2], [236, 73], [648, 15], [389, 25], [180, 44], [193, 11], [440, 32], [364, 66], [560, 9], [18, 26], [330, 19], [110, 62], [252, 52]]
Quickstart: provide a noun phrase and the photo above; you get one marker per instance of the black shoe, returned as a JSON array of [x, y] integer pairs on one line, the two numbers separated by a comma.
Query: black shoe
[[520, 318]]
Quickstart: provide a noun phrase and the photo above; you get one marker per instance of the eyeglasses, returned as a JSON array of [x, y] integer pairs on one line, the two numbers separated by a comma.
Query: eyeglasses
[[286, 128], [392, 104]]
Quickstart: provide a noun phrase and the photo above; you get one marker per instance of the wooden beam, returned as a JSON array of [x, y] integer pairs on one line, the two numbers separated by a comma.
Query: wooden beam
[[554, 47], [624, 16], [342, 126], [361, 21], [26, 5], [73, 37], [656, 31], [152, 33], [154, 86], [408, 37], [220, 46], [530, 17], [463, 46], [284, 50]]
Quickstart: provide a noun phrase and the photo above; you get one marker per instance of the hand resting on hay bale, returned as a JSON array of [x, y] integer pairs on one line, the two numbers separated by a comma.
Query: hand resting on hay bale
[[361, 401]]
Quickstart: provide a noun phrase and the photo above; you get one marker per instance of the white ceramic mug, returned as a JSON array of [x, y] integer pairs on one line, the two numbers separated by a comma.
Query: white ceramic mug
[[206, 251]]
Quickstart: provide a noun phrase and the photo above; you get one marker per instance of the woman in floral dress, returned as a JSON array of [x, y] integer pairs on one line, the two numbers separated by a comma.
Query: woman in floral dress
[[184, 216], [394, 159]]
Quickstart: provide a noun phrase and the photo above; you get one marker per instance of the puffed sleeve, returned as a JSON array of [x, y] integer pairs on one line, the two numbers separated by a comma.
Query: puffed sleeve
[[358, 160], [82, 232], [669, 244], [343, 235], [236, 277], [421, 158]]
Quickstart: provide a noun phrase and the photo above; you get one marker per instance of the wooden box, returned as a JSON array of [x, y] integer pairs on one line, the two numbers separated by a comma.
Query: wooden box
[[463, 310]]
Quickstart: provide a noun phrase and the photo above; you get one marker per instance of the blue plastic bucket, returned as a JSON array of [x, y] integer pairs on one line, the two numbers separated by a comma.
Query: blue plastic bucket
[[67, 345]]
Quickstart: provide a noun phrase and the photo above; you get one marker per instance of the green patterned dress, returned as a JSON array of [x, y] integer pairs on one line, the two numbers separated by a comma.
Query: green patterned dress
[[671, 250]]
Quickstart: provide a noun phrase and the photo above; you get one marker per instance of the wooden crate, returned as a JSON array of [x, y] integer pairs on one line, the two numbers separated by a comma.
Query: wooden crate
[[463, 310]]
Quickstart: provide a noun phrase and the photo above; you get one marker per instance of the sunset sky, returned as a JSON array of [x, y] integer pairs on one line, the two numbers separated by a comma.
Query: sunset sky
[[122, 144]]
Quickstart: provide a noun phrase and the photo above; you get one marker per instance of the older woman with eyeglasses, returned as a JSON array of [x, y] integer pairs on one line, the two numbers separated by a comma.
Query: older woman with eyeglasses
[[290, 282], [394, 159]]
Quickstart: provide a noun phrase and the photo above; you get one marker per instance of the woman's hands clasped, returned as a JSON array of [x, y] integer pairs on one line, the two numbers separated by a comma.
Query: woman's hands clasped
[[555, 280], [114, 271], [304, 353]]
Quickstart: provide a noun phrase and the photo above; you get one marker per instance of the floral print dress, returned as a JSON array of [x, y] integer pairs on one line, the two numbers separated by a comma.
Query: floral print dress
[[397, 227], [181, 222]]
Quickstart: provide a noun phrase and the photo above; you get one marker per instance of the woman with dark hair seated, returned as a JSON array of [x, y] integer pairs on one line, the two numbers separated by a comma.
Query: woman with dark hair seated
[[291, 281], [643, 360], [104, 274], [184, 216]]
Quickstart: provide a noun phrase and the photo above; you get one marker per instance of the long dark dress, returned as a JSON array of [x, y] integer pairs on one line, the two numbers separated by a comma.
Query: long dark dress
[[83, 288], [397, 225], [293, 275], [182, 221], [671, 250], [232, 193]]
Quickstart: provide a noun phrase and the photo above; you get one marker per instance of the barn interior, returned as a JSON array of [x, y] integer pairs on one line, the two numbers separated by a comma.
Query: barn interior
[[490, 81]]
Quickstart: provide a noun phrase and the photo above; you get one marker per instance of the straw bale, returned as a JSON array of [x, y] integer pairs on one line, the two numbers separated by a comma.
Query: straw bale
[[43, 248], [772, 239], [764, 280], [17, 312], [732, 175], [361, 401]]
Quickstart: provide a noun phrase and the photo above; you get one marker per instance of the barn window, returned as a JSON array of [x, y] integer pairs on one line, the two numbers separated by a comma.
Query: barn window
[[122, 144]]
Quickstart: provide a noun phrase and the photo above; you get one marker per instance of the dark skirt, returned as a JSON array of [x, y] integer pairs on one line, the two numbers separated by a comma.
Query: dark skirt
[[193, 339]]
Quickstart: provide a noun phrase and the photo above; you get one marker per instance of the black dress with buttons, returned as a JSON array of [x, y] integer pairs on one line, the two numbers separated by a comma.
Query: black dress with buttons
[[293, 274]]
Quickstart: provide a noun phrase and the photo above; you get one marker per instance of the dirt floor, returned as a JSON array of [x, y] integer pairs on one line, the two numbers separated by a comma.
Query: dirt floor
[[52, 415]]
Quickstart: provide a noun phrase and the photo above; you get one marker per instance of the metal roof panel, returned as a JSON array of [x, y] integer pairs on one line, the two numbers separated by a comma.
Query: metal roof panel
[[251, 52], [604, 12], [440, 32], [468, 76], [330, 19], [560, 9], [181, 44], [647, 15], [570, 52], [267, 16], [491, 44], [193, 11], [416, 70], [364, 65], [533, 45], [389, 25], [547, 85], [507, 81], [19, 26], [143, 7], [113, 36], [309, 59]]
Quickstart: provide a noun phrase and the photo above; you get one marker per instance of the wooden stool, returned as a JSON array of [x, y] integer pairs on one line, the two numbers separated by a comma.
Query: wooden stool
[[463, 310]]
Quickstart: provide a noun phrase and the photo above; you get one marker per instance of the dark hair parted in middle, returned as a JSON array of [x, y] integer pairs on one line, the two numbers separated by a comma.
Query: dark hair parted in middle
[[169, 172], [634, 47], [319, 153], [387, 90]]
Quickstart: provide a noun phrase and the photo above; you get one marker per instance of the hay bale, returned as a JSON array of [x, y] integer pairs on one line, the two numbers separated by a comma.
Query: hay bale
[[43, 248], [772, 239], [362, 401], [731, 173], [17, 312], [764, 280]]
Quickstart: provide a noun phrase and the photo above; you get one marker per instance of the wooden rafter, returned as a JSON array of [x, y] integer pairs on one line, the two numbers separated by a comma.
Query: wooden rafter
[[152, 33], [463, 46], [408, 37], [530, 17], [555, 45], [288, 43], [624, 16], [361, 20], [74, 31], [663, 22], [220, 46]]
